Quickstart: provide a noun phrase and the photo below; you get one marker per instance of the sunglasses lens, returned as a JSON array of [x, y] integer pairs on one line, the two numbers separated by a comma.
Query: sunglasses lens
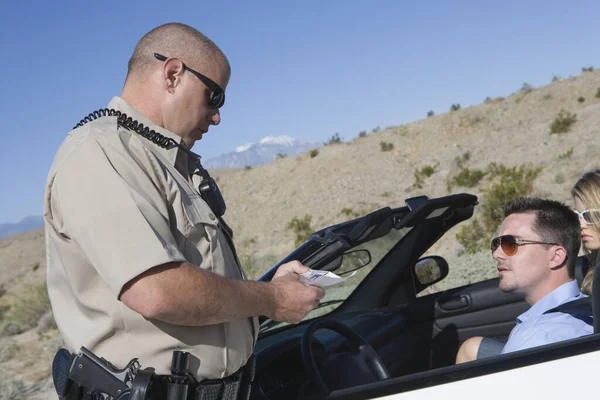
[[509, 245], [591, 217], [495, 243], [217, 98]]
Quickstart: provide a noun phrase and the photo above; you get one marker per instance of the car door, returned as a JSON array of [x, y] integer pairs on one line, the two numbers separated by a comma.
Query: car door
[[479, 309]]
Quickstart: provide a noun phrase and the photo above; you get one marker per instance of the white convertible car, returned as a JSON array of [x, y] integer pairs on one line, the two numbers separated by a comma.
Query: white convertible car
[[377, 336]]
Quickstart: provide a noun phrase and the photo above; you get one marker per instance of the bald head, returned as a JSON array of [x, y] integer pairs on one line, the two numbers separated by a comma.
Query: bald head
[[166, 91], [174, 40]]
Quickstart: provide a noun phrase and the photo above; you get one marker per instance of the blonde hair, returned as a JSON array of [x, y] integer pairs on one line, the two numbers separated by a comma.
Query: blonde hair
[[587, 189]]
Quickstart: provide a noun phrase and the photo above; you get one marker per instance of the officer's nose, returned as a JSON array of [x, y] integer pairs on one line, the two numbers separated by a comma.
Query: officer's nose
[[215, 117]]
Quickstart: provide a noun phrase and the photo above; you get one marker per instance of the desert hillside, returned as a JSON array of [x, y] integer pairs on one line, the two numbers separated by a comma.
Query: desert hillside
[[335, 183]]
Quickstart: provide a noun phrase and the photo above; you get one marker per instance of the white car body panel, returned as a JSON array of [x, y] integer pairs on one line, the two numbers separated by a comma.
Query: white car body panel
[[565, 378]]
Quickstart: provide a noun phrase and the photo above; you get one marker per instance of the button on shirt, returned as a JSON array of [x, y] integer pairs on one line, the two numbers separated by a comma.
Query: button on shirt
[[534, 328], [117, 205]]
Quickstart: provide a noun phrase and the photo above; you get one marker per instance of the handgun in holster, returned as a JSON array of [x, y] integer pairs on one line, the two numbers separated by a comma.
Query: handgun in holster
[[87, 376]]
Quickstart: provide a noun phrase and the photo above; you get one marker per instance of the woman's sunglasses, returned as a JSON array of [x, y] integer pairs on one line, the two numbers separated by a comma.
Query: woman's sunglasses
[[217, 95], [510, 244], [590, 217]]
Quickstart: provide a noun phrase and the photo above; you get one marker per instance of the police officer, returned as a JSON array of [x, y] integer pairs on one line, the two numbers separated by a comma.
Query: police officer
[[139, 264]]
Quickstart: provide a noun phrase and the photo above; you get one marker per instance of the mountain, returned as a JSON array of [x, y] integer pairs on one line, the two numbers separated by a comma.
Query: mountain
[[265, 151], [26, 224]]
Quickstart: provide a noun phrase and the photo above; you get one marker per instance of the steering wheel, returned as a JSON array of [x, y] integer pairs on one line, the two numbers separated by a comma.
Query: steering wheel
[[364, 350]]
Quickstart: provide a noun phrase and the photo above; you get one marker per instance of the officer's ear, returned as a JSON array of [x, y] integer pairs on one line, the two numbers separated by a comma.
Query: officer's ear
[[173, 69]]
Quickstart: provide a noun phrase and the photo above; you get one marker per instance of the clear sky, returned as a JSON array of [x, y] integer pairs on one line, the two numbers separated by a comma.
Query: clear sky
[[307, 69]]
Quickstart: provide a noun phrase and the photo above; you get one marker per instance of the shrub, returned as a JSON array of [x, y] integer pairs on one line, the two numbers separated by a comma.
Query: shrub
[[460, 160], [559, 178], [511, 183], [506, 184], [455, 107], [347, 211], [581, 99], [598, 93], [430, 113], [384, 146], [281, 155], [362, 133], [526, 88], [470, 236], [423, 173], [566, 155], [589, 69], [466, 178], [248, 167], [301, 228], [563, 122], [313, 153], [335, 139], [29, 306], [555, 78], [402, 130], [376, 129]]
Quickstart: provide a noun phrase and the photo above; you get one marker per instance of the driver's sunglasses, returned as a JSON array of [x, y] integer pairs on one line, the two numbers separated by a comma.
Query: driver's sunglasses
[[216, 98], [510, 244], [590, 217]]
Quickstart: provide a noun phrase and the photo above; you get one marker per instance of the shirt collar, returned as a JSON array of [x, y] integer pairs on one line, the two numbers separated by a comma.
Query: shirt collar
[[562, 294], [176, 156]]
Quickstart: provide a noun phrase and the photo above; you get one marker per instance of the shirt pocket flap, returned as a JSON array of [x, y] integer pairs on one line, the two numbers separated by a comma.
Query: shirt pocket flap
[[197, 211]]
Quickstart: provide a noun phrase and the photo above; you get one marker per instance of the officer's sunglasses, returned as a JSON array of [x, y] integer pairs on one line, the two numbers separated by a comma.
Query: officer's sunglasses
[[590, 217], [510, 244], [217, 95]]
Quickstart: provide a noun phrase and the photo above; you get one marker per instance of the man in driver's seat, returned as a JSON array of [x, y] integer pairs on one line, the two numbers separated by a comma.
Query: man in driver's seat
[[536, 248]]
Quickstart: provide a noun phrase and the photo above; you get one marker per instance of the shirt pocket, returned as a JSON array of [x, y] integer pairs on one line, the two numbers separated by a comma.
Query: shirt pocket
[[201, 234]]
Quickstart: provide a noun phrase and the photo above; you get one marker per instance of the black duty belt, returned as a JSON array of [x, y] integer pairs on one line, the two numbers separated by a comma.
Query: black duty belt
[[162, 387], [88, 377]]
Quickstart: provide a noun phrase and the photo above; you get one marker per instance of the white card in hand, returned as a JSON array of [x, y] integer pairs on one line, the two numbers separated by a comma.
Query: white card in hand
[[322, 278]]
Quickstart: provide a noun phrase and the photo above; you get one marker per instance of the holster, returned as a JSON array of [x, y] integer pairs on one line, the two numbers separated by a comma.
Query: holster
[[235, 387], [65, 387], [148, 386]]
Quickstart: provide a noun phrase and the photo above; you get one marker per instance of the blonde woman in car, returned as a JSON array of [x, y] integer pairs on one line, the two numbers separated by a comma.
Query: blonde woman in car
[[586, 198]]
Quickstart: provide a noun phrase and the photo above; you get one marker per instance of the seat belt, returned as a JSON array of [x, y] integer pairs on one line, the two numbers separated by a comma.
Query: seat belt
[[580, 309]]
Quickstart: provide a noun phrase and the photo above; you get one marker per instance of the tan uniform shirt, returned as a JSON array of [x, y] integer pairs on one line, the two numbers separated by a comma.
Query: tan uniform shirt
[[115, 207]]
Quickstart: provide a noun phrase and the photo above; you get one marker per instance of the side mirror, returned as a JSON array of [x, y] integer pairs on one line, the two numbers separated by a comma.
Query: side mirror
[[429, 270], [354, 260]]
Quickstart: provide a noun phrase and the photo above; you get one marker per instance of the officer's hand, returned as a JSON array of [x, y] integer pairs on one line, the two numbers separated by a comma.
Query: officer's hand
[[292, 267], [293, 299]]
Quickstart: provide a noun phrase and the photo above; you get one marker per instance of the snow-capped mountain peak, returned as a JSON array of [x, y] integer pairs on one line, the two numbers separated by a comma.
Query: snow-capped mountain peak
[[266, 150], [283, 140], [244, 147]]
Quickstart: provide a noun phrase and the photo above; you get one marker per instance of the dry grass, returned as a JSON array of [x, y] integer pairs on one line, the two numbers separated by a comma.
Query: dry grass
[[25, 308]]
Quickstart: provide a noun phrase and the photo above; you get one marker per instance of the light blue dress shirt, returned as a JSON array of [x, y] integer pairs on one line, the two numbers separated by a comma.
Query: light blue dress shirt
[[534, 328]]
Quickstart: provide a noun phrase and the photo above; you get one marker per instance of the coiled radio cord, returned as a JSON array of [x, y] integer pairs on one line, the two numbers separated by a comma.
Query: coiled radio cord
[[129, 123]]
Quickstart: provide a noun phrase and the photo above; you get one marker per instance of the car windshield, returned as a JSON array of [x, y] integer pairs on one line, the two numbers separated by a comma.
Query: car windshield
[[360, 245], [336, 294]]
